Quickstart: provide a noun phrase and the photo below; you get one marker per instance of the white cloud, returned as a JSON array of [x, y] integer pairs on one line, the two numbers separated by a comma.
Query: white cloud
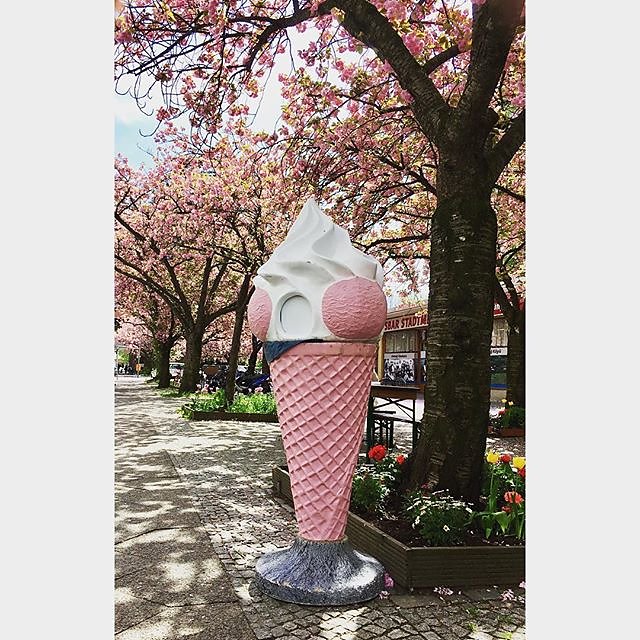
[[127, 112]]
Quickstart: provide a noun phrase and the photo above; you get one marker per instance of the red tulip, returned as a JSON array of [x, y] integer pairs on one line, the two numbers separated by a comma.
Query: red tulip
[[521, 472], [400, 459], [505, 457], [378, 452], [513, 496]]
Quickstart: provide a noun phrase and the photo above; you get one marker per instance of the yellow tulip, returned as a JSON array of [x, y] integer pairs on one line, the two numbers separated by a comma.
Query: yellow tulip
[[492, 457], [519, 462]]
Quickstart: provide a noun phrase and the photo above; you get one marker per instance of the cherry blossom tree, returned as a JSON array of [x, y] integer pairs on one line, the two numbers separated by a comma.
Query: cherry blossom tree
[[170, 237], [459, 77], [155, 319]]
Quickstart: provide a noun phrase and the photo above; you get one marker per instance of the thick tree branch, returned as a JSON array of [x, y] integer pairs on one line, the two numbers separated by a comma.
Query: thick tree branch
[[365, 23], [503, 301], [439, 59], [513, 138], [494, 28], [516, 196]]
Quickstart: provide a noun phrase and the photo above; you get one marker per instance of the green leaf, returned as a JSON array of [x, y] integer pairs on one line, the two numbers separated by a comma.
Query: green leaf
[[502, 518]]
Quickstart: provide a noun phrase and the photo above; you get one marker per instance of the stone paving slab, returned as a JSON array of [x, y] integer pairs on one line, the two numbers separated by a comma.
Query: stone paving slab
[[210, 622], [174, 567], [169, 583], [226, 469], [139, 511]]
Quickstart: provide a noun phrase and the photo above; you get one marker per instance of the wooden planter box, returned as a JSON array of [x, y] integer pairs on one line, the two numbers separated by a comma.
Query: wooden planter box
[[420, 567], [242, 417], [511, 432]]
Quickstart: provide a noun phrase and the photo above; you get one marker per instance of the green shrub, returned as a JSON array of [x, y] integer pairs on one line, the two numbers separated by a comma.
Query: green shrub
[[254, 403], [513, 417], [440, 519], [203, 402], [368, 490]]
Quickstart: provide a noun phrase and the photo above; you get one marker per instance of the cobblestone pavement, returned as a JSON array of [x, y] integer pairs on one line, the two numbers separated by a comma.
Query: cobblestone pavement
[[226, 468]]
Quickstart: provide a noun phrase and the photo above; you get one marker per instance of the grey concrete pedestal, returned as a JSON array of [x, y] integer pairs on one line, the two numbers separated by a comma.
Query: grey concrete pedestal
[[320, 573]]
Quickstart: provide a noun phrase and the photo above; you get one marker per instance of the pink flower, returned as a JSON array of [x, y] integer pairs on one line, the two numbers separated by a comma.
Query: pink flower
[[413, 43], [388, 581], [258, 390]]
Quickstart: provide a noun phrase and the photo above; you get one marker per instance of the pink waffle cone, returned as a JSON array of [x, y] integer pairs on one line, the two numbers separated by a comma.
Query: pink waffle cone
[[322, 390]]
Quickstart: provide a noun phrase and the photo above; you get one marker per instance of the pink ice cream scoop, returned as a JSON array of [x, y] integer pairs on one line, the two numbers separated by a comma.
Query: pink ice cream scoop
[[259, 313], [354, 309]]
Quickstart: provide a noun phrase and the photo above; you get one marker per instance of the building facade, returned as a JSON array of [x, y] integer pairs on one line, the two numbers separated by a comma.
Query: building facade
[[402, 355]]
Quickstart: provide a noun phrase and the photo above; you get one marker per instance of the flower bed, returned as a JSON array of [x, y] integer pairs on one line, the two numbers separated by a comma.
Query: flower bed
[[258, 407], [509, 421], [437, 547]]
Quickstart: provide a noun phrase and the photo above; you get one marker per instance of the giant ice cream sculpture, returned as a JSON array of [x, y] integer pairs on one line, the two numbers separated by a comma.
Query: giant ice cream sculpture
[[319, 308]]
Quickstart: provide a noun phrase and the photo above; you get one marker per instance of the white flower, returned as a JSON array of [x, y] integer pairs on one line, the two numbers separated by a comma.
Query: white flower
[[445, 528]]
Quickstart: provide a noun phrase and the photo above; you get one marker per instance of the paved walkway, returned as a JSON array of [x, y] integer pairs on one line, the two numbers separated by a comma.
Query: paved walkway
[[194, 512]]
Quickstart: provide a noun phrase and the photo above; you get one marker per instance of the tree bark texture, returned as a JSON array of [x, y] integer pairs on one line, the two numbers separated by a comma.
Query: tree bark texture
[[192, 358], [451, 447], [163, 356], [256, 345], [243, 299], [516, 361]]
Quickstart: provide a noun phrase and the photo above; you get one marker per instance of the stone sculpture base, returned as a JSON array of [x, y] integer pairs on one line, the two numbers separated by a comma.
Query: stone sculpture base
[[319, 573]]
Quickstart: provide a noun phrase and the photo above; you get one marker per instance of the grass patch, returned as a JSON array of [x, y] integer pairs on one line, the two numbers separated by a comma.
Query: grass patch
[[172, 392]]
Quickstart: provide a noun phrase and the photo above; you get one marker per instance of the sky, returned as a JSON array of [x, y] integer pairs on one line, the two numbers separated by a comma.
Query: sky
[[132, 126]]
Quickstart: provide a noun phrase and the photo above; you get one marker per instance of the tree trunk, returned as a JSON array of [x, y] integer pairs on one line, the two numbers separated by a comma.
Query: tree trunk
[[516, 361], [264, 366], [163, 357], [230, 382], [192, 358], [256, 345], [450, 450]]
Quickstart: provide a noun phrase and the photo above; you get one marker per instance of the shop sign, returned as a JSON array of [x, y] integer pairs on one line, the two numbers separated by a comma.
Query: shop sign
[[420, 320], [498, 351], [406, 322]]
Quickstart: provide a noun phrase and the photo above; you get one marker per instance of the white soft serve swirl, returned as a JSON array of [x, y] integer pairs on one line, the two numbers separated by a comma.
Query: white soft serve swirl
[[315, 254]]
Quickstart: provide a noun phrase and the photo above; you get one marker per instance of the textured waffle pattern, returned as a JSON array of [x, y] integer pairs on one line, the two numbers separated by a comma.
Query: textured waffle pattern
[[322, 391]]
